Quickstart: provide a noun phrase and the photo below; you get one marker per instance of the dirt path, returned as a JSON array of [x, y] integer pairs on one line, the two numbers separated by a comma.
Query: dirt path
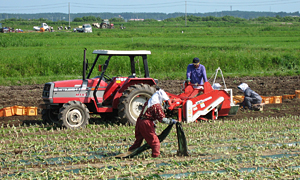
[[30, 95]]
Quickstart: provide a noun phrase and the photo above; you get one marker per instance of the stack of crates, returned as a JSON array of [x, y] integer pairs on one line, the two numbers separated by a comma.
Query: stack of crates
[[18, 110], [288, 96], [292, 96], [272, 99]]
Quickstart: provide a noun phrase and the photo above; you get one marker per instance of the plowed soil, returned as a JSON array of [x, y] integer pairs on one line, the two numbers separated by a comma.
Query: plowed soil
[[30, 95]]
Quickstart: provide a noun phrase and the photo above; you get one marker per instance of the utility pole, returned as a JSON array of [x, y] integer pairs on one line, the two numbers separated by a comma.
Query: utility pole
[[185, 15], [69, 15]]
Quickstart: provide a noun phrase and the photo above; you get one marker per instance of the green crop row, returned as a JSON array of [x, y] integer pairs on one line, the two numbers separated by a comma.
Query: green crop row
[[247, 148]]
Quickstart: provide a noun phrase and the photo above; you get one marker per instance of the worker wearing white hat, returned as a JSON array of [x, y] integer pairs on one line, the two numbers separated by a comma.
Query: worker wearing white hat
[[144, 128], [251, 97]]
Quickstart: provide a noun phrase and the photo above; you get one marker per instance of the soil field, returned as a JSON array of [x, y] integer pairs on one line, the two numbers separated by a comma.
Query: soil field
[[249, 145], [30, 95]]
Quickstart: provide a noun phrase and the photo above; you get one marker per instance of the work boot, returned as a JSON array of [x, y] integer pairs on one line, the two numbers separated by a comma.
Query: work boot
[[257, 107]]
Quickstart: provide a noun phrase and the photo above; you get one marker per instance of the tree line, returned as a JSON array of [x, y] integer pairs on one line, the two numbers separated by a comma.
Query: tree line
[[190, 18], [129, 15]]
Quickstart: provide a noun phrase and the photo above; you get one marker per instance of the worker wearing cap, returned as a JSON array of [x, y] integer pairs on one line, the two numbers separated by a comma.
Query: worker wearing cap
[[196, 73], [144, 128], [251, 97]]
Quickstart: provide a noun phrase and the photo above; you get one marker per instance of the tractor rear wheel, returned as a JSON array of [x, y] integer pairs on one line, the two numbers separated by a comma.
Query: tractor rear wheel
[[132, 102], [50, 116], [74, 114]]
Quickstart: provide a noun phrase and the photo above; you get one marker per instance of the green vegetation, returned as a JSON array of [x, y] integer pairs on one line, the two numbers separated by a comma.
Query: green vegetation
[[238, 47], [255, 148]]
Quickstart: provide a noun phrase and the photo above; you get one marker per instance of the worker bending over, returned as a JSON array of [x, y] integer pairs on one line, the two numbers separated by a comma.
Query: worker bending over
[[251, 97], [196, 73], [145, 127]]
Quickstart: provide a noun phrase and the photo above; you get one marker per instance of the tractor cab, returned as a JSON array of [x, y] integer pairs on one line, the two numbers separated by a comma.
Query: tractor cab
[[116, 83]]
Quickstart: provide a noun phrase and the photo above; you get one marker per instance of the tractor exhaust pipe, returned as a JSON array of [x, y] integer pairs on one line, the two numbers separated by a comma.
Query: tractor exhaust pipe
[[84, 65]]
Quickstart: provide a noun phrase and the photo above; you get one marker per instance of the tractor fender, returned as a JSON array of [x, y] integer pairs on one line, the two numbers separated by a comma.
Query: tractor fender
[[127, 83]]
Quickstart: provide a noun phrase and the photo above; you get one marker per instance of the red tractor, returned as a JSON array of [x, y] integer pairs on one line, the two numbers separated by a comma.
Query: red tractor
[[105, 24], [70, 102]]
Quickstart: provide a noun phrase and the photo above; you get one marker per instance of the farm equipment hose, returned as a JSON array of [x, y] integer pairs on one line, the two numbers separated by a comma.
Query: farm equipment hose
[[182, 145]]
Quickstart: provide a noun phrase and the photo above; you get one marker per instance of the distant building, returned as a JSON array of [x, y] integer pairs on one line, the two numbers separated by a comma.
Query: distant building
[[136, 19]]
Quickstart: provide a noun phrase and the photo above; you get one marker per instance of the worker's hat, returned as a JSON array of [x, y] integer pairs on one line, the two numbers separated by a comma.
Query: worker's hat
[[196, 61]]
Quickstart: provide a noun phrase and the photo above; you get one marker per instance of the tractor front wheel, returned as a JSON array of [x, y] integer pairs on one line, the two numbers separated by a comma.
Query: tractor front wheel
[[132, 102], [74, 114]]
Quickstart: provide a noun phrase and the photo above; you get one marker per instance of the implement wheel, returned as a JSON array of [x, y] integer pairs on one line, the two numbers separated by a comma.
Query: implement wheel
[[74, 115], [210, 115], [132, 102]]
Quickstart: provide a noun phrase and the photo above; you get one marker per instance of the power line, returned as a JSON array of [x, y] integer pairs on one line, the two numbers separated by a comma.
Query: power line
[[19, 8], [272, 2], [131, 5], [111, 7], [35, 6]]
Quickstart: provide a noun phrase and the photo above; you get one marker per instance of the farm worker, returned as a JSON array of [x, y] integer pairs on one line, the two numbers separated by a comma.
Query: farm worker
[[144, 129], [196, 73], [251, 97]]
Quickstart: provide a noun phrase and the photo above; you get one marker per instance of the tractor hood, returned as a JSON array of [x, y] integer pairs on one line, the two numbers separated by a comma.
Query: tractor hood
[[77, 83]]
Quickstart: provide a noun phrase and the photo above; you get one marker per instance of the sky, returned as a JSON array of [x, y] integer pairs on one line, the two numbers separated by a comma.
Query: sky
[[157, 6]]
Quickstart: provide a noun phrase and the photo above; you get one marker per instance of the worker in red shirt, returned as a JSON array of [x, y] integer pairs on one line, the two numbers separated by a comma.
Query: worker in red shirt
[[145, 126]]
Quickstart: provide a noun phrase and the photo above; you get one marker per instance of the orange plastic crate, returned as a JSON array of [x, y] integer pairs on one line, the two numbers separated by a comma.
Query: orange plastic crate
[[1, 113], [19, 110], [277, 99], [31, 111], [8, 111], [238, 99], [297, 94], [267, 100], [288, 96]]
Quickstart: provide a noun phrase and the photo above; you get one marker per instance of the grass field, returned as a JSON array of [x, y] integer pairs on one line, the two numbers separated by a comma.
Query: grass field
[[239, 50]]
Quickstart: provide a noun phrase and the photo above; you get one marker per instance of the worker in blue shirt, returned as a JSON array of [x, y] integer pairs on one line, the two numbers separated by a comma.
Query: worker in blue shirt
[[196, 72]]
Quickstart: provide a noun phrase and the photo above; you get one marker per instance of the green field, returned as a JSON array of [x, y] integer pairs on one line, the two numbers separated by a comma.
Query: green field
[[256, 49], [255, 148], [249, 148]]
